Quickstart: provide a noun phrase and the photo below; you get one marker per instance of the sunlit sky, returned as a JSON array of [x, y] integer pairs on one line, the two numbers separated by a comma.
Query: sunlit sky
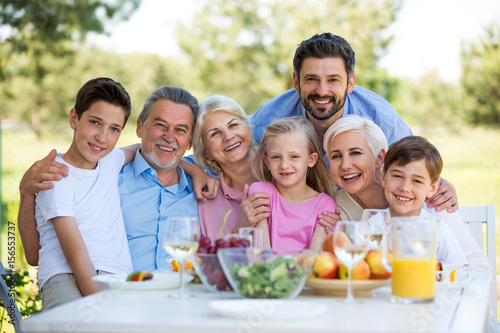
[[427, 33]]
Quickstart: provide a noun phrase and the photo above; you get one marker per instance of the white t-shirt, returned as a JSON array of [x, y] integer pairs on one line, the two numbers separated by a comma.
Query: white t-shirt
[[92, 198]]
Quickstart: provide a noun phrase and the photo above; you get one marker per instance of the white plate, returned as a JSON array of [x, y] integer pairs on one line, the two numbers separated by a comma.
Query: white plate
[[167, 280], [269, 309]]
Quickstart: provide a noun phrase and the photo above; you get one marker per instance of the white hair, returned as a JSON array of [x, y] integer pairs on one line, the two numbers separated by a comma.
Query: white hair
[[374, 135], [213, 104]]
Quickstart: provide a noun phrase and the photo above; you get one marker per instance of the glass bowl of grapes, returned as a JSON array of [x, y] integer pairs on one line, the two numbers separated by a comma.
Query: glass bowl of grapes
[[206, 263], [267, 273]]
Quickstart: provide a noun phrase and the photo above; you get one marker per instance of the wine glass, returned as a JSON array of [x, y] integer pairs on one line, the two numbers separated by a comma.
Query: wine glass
[[351, 243], [180, 240], [379, 221]]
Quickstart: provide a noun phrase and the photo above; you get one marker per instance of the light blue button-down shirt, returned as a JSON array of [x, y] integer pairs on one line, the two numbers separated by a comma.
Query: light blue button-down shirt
[[360, 101], [146, 204]]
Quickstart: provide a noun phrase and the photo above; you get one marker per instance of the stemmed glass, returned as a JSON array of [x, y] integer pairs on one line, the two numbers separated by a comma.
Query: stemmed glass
[[180, 240], [351, 243], [379, 221]]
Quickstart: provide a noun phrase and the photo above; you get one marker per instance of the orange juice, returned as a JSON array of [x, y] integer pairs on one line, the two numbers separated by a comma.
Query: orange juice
[[413, 278]]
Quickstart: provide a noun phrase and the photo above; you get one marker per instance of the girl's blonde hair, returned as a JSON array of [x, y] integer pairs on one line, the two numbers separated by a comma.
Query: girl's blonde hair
[[210, 105], [318, 176]]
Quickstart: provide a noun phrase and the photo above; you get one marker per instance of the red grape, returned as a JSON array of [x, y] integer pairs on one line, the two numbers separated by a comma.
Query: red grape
[[204, 241], [223, 244]]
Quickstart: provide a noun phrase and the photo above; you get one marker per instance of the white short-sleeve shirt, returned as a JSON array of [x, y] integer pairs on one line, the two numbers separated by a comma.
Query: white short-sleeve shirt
[[92, 198]]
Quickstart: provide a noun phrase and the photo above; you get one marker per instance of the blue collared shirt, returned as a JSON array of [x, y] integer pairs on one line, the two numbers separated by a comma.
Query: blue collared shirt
[[146, 204], [360, 101]]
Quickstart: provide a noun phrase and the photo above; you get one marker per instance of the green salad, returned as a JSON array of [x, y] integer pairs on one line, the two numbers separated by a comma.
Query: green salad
[[276, 279]]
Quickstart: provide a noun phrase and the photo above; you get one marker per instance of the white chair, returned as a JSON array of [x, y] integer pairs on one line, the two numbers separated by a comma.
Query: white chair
[[478, 218]]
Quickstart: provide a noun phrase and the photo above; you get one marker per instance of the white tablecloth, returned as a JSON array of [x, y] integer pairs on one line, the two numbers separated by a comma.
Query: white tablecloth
[[454, 310]]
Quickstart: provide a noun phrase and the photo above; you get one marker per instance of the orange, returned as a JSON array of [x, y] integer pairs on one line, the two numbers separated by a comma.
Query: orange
[[176, 266]]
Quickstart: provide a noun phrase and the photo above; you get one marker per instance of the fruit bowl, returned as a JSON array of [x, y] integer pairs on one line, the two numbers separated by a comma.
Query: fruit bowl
[[206, 263], [337, 287], [210, 272], [266, 273]]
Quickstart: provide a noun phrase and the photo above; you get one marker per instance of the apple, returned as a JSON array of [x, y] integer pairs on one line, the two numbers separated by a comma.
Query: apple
[[360, 272], [328, 244], [374, 260], [326, 266], [342, 240]]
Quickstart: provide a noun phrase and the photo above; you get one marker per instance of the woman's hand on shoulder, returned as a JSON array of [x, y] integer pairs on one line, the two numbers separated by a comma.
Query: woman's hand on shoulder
[[40, 175], [329, 219]]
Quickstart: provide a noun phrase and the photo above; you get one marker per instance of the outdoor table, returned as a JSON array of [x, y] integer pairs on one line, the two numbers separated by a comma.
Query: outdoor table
[[462, 309]]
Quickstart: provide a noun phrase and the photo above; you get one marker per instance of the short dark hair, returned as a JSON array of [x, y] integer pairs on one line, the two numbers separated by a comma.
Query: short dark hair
[[102, 89], [323, 46], [174, 94], [414, 148]]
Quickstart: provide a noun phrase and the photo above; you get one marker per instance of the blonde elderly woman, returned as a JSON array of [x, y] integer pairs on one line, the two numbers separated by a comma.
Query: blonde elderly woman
[[356, 147], [223, 142]]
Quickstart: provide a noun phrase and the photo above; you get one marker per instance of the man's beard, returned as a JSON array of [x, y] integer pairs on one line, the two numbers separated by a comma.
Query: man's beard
[[153, 160], [323, 113]]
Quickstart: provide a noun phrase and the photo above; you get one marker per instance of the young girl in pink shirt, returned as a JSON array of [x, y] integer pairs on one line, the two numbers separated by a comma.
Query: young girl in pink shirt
[[290, 169]]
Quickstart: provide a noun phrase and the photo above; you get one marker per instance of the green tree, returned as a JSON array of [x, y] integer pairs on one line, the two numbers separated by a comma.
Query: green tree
[[481, 78], [38, 32], [139, 73], [244, 48]]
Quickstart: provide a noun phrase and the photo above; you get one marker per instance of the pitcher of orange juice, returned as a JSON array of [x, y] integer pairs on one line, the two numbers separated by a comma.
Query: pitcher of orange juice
[[414, 243]]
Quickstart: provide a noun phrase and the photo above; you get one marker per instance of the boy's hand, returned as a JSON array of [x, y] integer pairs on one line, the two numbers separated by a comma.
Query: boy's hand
[[43, 170], [445, 198], [329, 219]]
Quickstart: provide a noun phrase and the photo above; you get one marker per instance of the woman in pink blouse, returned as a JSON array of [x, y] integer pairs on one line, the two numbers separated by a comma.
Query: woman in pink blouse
[[223, 142]]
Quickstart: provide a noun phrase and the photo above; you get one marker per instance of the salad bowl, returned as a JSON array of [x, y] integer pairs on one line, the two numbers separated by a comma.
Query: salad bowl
[[267, 273]]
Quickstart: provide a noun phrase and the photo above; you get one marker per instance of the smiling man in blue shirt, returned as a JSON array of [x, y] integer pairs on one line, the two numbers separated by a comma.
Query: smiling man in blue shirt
[[324, 91], [154, 186]]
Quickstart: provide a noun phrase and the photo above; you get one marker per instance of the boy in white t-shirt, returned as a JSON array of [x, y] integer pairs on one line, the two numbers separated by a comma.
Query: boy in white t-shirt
[[412, 167], [79, 220]]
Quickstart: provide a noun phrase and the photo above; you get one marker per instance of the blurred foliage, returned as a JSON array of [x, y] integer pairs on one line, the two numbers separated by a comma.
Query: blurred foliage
[[26, 294], [139, 73], [481, 78], [245, 48], [38, 35], [429, 101]]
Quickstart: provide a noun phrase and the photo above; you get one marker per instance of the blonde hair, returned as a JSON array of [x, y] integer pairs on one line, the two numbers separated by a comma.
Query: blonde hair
[[318, 176], [210, 105]]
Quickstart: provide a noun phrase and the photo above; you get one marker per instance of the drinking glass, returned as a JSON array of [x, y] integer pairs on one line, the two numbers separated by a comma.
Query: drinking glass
[[180, 240], [379, 221], [413, 265], [351, 243], [256, 236]]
